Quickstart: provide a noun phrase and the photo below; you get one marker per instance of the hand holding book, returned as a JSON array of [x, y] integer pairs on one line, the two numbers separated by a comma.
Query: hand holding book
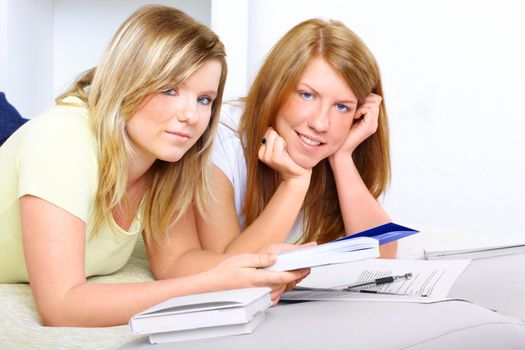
[[247, 270]]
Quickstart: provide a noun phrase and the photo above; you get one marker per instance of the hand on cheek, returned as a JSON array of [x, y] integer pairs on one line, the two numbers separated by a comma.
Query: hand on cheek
[[274, 154], [365, 123]]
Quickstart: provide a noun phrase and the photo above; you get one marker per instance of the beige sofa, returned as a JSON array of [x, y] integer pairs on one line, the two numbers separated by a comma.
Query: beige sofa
[[20, 326]]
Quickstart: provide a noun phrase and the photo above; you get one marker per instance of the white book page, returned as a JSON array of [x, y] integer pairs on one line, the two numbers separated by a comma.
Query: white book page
[[431, 280]]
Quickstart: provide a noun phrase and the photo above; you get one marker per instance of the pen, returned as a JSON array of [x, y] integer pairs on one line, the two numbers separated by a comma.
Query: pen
[[379, 281], [350, 288], [314, 289], [379, 292], [389, 293]]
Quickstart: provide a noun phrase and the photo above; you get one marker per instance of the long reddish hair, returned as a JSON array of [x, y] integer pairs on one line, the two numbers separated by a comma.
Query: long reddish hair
[[277, 79]]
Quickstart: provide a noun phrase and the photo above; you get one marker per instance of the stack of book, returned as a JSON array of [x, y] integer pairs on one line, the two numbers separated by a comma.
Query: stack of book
[[216, 314]]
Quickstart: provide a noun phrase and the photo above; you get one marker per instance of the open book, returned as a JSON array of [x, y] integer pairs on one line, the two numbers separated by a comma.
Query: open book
[[203, 315], [384, 233], [359, 246]]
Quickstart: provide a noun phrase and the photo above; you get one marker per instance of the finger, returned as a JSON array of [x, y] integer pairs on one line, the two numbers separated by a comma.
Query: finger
[[275, 295], [278, 288], [302, 273], [282, 160], [253, 260], [373, 98], [279, 148], [272, 278], [367, 123], [308, 244], [376, 98], [371, 101], [372, 104], [290, 286], [371, 117], [277, 291], [260, 154], [301, 279], [360, 113], [262, 148], [295, 275], [270, 137]]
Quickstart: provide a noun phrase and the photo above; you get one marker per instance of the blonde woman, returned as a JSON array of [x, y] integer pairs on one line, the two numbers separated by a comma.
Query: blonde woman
[[306, 155], [124, 152]]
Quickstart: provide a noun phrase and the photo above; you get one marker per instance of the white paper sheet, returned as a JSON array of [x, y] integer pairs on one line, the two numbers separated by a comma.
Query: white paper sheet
[[431, 280]]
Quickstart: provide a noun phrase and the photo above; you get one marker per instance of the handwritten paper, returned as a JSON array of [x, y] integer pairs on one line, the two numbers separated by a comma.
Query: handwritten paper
[[431, 280]]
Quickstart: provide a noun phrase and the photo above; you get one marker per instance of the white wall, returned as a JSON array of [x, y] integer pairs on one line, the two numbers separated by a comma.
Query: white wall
[[26, 53], [84, 28], [44, 44], [3, 45], [454, 78], [230, 19]]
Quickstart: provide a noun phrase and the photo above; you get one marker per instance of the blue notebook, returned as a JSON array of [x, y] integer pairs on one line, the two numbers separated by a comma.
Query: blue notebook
[[385, 233]]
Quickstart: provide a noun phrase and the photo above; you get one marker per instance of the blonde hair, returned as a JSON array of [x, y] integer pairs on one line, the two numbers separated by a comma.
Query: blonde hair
[[277, 79], [155, 49]]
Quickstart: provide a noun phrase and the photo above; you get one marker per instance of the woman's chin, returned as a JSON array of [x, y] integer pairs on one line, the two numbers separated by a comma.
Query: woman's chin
[[305, 162]]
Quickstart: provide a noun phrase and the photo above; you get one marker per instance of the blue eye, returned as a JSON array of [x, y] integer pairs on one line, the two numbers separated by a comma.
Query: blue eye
[[341, 107], [170, 92], [306, 95], [205, 100]]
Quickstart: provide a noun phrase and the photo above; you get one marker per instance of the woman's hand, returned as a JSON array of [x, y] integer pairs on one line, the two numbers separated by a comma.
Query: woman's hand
[[273, 153], [241, 271], [365, 124], [388, 251], [281, 247]]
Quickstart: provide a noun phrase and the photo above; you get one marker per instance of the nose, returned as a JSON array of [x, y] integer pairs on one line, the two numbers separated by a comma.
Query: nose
[[187, 112], [320, 120]]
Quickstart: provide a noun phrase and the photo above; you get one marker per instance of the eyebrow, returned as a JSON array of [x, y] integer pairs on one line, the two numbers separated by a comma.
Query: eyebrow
[[213, 93], [350, 101]]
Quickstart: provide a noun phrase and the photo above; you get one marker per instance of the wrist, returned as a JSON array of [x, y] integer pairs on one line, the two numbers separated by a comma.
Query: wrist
[[341, 160], [297, 182], [214, 278]]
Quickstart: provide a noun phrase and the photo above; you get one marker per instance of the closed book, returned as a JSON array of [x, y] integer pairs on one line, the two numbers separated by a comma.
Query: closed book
[[209, 332], [475, 251], [202, 310]]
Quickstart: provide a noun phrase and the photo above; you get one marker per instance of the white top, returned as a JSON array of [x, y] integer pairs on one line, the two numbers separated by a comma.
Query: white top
[[228, 155]]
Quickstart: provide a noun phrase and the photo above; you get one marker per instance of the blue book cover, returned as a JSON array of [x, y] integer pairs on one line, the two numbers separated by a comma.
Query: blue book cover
[[385, 233]]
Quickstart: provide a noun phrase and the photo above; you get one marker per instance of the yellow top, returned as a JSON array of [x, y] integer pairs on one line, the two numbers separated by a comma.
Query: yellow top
[[54, 157]]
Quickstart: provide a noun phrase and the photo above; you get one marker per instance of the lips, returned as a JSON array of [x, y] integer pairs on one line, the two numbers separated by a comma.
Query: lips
[[179, 134], [309, 140]]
